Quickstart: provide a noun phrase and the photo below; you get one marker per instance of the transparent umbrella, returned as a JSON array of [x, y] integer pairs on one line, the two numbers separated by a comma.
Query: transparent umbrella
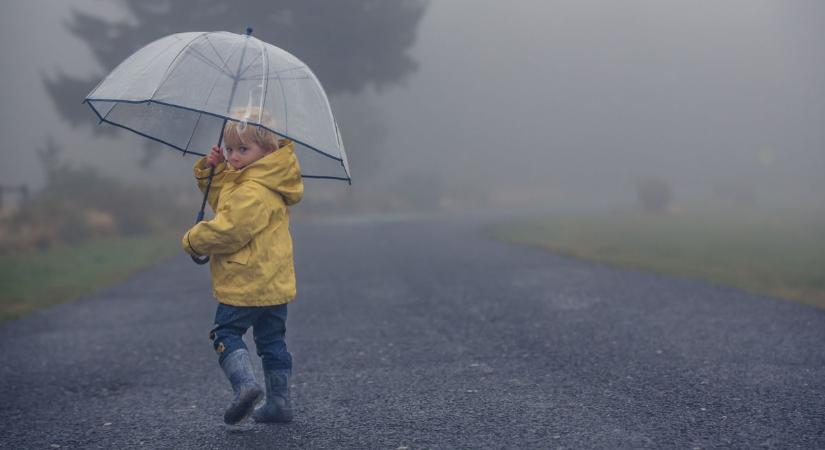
[[181, 90]]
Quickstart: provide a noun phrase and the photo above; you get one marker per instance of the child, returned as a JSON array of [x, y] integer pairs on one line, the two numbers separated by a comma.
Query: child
[[253, 276]]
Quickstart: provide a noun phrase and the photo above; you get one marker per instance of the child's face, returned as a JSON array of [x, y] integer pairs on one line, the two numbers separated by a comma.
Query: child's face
[[242, 154]]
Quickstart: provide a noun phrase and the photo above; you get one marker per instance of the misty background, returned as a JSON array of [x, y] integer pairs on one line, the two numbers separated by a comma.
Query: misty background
[[468, 104]]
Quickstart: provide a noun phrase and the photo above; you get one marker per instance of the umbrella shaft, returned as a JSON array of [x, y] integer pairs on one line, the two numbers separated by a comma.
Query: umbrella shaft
[[206, 194], [205, 259]]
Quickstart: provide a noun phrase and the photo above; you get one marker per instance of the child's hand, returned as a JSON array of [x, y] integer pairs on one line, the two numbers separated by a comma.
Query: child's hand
[[215, 156]]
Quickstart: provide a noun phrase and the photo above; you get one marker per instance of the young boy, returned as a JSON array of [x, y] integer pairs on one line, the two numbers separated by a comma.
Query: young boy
[[250, 249]]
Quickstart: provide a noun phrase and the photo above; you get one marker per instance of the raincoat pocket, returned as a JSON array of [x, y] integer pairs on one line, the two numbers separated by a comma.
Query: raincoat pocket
[[239, 257]]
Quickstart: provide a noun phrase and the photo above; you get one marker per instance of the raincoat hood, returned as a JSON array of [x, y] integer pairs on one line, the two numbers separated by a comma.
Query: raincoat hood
[[278, 171]]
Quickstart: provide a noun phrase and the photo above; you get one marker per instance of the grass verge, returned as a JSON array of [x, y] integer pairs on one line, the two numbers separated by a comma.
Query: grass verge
[[778, 256], [38, 279]]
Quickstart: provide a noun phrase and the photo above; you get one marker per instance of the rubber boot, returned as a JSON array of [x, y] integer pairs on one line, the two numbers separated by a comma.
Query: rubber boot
[[278, 406], [238, 369]]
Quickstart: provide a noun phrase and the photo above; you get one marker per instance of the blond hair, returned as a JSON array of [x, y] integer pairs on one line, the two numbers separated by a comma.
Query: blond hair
[[237, 131]]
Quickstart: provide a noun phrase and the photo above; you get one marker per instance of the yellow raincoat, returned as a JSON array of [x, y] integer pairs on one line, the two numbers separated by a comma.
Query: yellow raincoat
[[248, 241]]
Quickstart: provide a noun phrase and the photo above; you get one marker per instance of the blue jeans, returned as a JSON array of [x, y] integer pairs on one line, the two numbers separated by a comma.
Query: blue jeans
[[268, 329]]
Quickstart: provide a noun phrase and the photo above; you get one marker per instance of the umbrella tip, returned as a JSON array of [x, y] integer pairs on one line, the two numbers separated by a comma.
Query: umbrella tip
[[249, 31]]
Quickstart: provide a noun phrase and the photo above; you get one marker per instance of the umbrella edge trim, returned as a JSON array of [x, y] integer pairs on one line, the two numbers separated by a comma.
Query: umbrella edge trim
[[89, 100], [190, 152]]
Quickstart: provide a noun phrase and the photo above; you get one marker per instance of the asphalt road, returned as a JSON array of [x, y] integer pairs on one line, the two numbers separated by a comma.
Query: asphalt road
[[424, 333]]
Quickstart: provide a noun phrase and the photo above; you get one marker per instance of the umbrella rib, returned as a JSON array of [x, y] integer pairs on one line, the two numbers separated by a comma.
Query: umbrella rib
[[205, 102], [304, 77], [278, 72], [225, 65], [194, 129], [286, 108], [265, 82], [141, 133], [343, 160], [245, 69], [289, 70], [109, 111], [143, 70], [169, 68], [324, 100], [209, 62], [235, 78]]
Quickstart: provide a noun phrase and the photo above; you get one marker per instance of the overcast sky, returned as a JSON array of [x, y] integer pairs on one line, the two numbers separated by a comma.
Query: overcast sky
[[576, 98]]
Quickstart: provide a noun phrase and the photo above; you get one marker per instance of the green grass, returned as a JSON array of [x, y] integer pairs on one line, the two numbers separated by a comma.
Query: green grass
[[38, 279], [781, 256]]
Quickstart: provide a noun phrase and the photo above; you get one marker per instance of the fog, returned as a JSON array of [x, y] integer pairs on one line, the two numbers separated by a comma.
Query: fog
[[450, 103]]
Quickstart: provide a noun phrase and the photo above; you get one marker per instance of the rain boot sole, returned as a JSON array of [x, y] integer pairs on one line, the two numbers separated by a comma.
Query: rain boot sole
[[245, 407], [282, 417]]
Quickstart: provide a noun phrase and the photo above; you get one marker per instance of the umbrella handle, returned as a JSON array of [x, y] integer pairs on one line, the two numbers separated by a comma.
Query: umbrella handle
[[201, 260]]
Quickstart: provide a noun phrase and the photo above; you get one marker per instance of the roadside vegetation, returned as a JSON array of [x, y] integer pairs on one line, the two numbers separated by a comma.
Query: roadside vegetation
[[45, 277], [80, 232], [778, 254]]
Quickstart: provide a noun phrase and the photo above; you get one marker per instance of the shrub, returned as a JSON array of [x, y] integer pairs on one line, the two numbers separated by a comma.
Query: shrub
[[654, 194], [80, 203]]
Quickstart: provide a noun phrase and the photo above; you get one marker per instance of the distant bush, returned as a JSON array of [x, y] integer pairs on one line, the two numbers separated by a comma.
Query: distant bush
[[654, 194], [79, 203]]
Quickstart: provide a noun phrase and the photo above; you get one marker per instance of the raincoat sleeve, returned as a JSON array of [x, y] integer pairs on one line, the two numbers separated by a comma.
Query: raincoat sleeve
[[201, 170], [239, 219]]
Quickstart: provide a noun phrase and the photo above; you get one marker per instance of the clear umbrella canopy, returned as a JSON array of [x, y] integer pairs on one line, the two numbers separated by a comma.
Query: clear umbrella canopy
[[180, 90]]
